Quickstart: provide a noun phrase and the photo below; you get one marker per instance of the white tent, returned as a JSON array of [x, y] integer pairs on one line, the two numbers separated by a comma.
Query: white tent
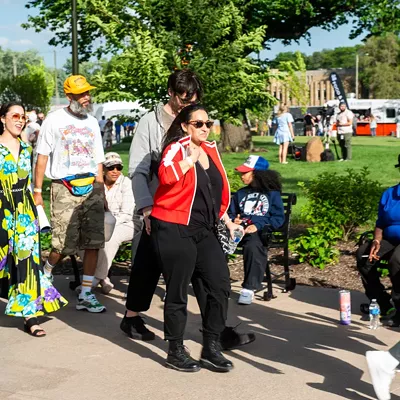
[[111, 108]]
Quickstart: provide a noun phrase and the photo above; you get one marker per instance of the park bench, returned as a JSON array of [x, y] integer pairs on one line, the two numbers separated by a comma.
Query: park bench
[[278, 239]]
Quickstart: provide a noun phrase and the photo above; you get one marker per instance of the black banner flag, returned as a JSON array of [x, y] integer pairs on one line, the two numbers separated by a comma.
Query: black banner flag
[[338, 88]]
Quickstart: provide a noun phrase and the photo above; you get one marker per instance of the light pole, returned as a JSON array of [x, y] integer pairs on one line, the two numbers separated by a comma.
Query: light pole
[[74, 23], [357, 62]]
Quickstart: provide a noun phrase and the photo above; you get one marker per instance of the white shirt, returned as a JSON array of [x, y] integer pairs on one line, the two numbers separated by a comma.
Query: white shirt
[[345, 117], [74, 145], [31, 129], [120, 200], [102, 124]]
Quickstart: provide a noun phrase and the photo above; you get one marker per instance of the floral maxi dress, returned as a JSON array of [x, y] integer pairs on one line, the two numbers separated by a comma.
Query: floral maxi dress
[[31, 293]]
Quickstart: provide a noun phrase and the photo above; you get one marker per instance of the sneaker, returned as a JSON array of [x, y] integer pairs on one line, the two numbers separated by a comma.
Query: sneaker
[[246, 296], [230, 339], [106, 285], [135, 328], [381, 366], [89, 303], [341, 159]]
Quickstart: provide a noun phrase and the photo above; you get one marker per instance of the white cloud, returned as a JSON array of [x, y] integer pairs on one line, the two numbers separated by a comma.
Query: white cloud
[[4, 41], [22, 42]]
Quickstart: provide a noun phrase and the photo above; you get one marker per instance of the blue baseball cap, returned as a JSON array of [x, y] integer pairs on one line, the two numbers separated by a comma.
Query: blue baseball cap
[[253, 163]]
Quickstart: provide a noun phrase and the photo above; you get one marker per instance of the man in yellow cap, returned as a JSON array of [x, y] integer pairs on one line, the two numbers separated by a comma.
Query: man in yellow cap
[[70, 153]]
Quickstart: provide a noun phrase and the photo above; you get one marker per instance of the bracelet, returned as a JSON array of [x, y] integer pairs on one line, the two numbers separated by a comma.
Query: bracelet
[[377, 241], [37, 190], [190, 162]]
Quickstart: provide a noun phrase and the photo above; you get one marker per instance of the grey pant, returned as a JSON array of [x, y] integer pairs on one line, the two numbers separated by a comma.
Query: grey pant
[[345, 145]]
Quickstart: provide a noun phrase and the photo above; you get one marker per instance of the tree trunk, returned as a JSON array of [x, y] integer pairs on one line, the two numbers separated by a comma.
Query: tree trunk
[[235, 138]]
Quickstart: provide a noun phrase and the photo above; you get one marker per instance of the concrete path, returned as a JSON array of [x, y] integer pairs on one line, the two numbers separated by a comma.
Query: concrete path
[[301, 352]]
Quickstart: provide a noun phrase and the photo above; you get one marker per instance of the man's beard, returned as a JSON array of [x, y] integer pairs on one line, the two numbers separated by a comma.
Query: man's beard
[[78, 109]]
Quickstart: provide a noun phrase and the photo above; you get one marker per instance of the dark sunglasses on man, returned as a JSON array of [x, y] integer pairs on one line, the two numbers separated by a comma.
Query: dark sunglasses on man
[[187, 100], [112, 167]]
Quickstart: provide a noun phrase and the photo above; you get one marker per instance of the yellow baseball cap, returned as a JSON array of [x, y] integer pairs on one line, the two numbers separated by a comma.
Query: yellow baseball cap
[[77, 84]]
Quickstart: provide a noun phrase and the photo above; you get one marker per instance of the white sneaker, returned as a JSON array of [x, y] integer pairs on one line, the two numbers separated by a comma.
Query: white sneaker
[[89, 303], [341, 159], [381, 365], [106, 285], [246, 296]]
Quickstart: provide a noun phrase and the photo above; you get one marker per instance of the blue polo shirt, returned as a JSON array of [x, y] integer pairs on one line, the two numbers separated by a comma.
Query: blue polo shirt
[[389, 214]]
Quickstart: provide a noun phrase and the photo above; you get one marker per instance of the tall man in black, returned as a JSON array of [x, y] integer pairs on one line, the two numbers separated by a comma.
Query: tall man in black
[[184, 88]]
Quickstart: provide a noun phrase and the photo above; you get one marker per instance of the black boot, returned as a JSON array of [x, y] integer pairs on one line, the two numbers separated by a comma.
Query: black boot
[[212, 358], [230, 339], [179, 358], [394, 322], [135, 328]]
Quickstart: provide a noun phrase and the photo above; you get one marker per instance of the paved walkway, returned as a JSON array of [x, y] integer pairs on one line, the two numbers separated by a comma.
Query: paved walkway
[[300, 353]]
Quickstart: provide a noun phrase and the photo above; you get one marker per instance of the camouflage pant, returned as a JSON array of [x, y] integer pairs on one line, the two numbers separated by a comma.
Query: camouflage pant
[[77, 221]]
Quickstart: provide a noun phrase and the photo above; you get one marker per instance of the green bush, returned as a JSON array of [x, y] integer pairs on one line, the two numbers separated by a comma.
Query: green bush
[[127, 139], [235, 182], [337, 206], [45, 241]]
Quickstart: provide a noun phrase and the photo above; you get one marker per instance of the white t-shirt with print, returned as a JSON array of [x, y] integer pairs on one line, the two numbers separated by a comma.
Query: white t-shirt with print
[[344, 117], [74, 145]]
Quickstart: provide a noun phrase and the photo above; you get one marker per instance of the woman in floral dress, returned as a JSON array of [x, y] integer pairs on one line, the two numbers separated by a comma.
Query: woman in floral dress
[[31, 293]]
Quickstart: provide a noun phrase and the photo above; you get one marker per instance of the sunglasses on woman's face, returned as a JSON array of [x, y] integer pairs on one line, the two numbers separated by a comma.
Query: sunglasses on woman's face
[[15, 117], [199, 124], [117, 167]]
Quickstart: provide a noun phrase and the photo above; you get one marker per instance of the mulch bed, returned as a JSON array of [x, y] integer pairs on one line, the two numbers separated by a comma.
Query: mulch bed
[[343, 275]]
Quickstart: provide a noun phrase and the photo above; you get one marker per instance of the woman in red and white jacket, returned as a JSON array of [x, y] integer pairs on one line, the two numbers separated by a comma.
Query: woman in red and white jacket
[[193, 189]]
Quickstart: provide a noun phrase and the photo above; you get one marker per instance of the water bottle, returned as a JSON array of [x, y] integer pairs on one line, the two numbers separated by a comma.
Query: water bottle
[[374, 314], [237, 237]]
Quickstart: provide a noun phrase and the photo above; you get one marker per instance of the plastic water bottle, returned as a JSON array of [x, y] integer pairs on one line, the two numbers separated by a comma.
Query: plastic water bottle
[[374, 314], [237, 237]]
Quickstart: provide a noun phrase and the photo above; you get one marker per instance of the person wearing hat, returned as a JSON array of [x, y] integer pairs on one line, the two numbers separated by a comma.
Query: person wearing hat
[[384, 246], [70, 153], [119, 196], [256, 205]]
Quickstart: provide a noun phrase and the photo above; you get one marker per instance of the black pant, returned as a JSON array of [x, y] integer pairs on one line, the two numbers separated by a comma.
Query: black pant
[[145, 275], [181, 257], [255, 261], [371, 277]]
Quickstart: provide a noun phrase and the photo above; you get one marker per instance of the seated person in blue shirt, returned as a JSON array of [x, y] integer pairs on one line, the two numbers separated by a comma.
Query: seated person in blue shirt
[[258, 204], [384, 246]]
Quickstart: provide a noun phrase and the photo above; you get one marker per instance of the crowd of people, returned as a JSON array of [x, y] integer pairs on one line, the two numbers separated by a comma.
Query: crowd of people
[[110, 129], [176, 195]]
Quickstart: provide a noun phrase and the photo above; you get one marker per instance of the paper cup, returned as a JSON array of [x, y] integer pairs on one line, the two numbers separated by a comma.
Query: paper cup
[[44, 223]]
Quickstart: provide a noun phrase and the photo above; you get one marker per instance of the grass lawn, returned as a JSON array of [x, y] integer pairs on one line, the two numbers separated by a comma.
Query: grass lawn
[[379, 154]]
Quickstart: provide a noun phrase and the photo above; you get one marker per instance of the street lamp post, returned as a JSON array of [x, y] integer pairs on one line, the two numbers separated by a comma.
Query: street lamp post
[[74, 23], [357, 62]]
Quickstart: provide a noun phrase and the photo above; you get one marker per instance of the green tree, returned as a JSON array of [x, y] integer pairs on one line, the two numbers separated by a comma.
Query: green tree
[[339, 57], [34, 88], [287, 56], [380, 71]]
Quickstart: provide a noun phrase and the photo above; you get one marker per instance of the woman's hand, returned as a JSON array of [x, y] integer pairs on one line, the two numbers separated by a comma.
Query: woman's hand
[[194, 152], [250, 229], [232, 228], [373, 254]]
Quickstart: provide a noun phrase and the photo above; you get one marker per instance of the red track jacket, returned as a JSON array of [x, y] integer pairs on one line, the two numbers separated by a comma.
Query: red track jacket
[[175, 194]]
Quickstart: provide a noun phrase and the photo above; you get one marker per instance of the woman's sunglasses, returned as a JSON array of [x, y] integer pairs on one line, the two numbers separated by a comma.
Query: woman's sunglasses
[[15, 117], [117, 167], [199, 124]]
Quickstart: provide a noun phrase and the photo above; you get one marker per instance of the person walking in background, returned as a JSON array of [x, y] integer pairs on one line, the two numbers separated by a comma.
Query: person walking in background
[[257, 204], [284, 133], [117, 125], [70, 150], [344, 123], [309, 124], [108, 132], [31, 293], [382, 366], [192, 176], [41, 118], [373, 125], [102, 124]]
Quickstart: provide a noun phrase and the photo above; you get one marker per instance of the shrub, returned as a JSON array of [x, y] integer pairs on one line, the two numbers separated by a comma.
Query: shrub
[[337, 206], [45, 241], [235, 182]]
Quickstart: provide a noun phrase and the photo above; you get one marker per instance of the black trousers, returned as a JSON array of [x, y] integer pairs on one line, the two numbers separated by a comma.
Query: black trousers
[[255, 261], [145, 275], [181, 258], [371, 277]]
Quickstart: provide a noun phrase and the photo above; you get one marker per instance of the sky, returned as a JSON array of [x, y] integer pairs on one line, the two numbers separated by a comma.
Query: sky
[[14, 37]]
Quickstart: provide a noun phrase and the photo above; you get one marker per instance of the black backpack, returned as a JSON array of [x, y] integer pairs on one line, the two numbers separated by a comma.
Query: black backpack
[[327, 155]]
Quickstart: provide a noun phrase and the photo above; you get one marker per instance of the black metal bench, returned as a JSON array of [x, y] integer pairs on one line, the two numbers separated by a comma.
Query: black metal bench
[[276, 239], [77, 275]]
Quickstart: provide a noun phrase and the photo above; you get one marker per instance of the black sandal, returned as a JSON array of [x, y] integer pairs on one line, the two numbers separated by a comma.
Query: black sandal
[[28, 325]]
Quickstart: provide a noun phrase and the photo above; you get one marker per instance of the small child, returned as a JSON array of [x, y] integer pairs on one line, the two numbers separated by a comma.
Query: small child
[[256, 205]]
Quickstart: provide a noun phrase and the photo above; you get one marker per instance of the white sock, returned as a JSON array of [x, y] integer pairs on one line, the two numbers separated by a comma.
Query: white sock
[[86, 286], [95, 282], [48, 268]]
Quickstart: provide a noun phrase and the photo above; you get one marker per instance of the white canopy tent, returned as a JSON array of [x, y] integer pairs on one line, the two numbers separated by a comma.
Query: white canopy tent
[[111, 108]]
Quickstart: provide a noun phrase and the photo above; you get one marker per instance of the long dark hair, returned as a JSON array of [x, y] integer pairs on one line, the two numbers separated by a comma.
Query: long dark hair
[[4, 109], [175, 132], [267, 181]]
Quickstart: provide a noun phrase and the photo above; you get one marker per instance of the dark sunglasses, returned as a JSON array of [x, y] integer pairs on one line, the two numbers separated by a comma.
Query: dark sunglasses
[[187, 100], [199, 124], [118, 167], [15, 117]]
